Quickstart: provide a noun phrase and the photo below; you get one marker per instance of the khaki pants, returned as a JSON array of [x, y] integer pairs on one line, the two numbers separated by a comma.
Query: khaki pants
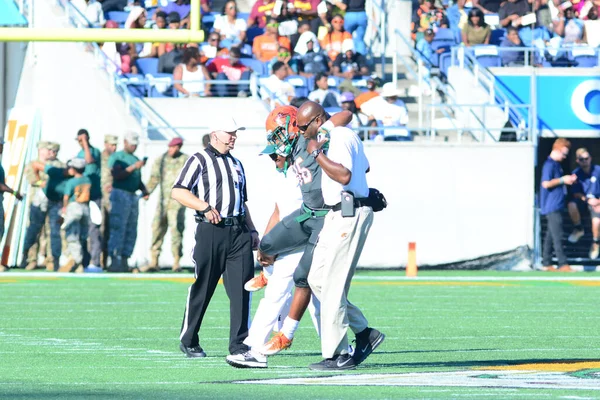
[[340, 243]]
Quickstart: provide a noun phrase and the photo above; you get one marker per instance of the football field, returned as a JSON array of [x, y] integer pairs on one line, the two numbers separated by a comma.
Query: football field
[[448, 335]]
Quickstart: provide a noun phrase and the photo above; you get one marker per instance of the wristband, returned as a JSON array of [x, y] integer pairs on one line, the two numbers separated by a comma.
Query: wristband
[[562, 181], [207, 210], [15, 192], [328, 125]]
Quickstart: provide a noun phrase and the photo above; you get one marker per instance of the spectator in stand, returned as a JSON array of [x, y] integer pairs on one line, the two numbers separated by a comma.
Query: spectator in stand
[[174, 21], [231, 28], [382, 107], [192, 75], [306, 36], [350, 65], [323, 95], [212, 48], [266, 46], [230, 69], [476, 31], [511, 11], [552, 202], [457, 15], [512, 58], [424, 46], [305, 11], [592, 27], [274, 89], [160, 20], [427, 16], [181, 7], [298, 101], [570, 27], [578, 201], [312, 61], [592, 15], [488, 6], [355, 22], [285, 57], [337, 36], [130, 52], [261, 10], [359, 120], [92, 11], [371, 92]]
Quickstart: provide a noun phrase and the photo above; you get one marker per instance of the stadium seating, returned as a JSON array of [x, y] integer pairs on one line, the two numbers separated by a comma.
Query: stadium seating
[[135, 84], [496, 36], [443, 37], [253, 32], [332, 110], [118, 16], [255, 65], [147, 65], [160, 85], [586, 61], [487, 56], [301, 84]]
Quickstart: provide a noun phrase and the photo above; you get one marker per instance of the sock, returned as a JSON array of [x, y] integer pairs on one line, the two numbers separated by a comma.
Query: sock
[[289, 327], [268, 271], [597, 240], [579, 227]]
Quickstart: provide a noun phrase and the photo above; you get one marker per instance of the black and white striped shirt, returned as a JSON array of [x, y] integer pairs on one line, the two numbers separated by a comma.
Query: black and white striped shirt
[[218, 179]]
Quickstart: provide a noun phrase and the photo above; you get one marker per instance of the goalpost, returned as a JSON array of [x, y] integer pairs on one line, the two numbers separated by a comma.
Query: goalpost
[[192, 35]]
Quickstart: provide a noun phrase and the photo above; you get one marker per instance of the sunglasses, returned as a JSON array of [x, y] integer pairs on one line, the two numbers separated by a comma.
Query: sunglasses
[[583, 158], [213, 39], [273, 25], [303, 128], [337, 21]]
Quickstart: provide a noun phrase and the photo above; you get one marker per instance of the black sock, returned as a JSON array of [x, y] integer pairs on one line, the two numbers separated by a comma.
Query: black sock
[[579, 227]]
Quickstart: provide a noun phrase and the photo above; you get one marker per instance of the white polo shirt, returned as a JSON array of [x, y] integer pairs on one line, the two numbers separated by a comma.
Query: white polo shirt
[[346, 148]]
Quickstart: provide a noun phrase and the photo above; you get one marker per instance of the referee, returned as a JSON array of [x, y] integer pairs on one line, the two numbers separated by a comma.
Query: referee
[[213, 183]]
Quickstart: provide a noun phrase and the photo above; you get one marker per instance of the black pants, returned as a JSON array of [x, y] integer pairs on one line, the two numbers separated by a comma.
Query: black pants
[[288, 235], [553, 239], [220, 250]]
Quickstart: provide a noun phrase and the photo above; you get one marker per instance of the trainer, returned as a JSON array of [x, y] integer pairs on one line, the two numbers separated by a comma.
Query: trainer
[[213, 183]]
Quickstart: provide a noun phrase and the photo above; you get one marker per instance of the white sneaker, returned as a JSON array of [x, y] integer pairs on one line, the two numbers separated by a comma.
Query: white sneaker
[[594, 251], [576, 235], [249, 359]]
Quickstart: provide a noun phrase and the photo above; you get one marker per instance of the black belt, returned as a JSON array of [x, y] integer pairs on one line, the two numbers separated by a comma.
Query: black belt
[[357, 203], [227, 221]]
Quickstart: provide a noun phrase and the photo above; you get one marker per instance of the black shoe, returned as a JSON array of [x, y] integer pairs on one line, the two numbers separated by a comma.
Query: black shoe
[[115, 264], [248, 359], [337, 363], [192, 352], [366, 342]]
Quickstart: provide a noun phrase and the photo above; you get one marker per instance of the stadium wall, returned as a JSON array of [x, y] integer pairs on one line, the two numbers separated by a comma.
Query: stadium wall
[[457, 202]]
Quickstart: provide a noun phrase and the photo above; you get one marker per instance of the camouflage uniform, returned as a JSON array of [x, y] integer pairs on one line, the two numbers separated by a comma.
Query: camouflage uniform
[[77, 216], [40, 209], [169, 213], [106, 180], [44, 217]]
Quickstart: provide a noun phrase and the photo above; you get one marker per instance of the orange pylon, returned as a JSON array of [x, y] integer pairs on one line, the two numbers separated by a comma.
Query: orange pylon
[[411, 265]]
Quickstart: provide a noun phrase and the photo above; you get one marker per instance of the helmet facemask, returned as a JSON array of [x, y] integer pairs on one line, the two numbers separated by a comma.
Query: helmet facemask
[[280, 139]]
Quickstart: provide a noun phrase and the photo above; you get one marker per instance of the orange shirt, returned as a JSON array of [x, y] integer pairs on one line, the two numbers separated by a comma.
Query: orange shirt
[[332, 43], [265, 47], [364, 97]]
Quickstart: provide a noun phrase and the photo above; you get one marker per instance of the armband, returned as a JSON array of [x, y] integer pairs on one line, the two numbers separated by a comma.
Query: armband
[[562, 181], [328, 126]]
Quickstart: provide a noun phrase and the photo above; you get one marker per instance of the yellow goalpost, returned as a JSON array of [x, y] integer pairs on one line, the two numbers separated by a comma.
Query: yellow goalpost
[[192, 35]]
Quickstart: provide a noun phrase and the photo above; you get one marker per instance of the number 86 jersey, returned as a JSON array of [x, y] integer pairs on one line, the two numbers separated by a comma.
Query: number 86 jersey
[[308, 172]]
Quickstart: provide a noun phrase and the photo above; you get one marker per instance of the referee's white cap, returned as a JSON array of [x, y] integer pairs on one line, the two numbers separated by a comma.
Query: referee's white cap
[[228, 124]]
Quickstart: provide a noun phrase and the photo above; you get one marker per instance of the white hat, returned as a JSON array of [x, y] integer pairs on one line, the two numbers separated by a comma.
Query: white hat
[[228, 124], [132, 137], [77, 163], [390, 90], [347, 45]]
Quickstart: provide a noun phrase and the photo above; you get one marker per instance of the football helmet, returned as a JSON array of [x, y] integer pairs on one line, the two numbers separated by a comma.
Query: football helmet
[[282, 129]]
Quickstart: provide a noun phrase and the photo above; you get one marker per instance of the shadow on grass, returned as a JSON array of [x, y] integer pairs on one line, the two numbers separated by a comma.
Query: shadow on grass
[[315, 354]]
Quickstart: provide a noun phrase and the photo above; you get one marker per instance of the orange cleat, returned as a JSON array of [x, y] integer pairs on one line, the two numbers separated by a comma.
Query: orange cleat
[[276, 344], [256, 283]]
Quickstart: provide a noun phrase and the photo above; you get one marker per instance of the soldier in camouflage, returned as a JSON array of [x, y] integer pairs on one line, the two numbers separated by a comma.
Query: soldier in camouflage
[[37, 180], [47, 204], [106, 181], [169, 213]]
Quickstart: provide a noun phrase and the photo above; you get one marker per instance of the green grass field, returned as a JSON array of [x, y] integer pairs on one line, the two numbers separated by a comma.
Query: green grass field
[[449, 335]]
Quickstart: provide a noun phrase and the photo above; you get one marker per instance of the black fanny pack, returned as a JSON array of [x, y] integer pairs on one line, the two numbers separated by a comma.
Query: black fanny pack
[[376, 200]]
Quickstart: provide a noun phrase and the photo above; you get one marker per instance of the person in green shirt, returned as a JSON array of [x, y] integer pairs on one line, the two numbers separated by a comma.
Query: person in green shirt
[[127, 180], [76, 212], [92, 158], [53, 190], [5, 189]]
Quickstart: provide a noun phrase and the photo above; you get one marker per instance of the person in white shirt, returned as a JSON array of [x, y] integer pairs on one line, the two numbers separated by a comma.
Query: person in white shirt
[[275, 90], [322, 94], [231, 28], [92, 11], [345, 192]]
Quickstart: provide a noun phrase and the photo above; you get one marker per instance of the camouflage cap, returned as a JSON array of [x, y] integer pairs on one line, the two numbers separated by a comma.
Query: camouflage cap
[[53, 146], [111, 139], [42, 144]]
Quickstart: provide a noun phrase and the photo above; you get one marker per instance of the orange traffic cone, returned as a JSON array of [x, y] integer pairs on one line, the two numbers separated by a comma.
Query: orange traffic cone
[[411, 265]]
